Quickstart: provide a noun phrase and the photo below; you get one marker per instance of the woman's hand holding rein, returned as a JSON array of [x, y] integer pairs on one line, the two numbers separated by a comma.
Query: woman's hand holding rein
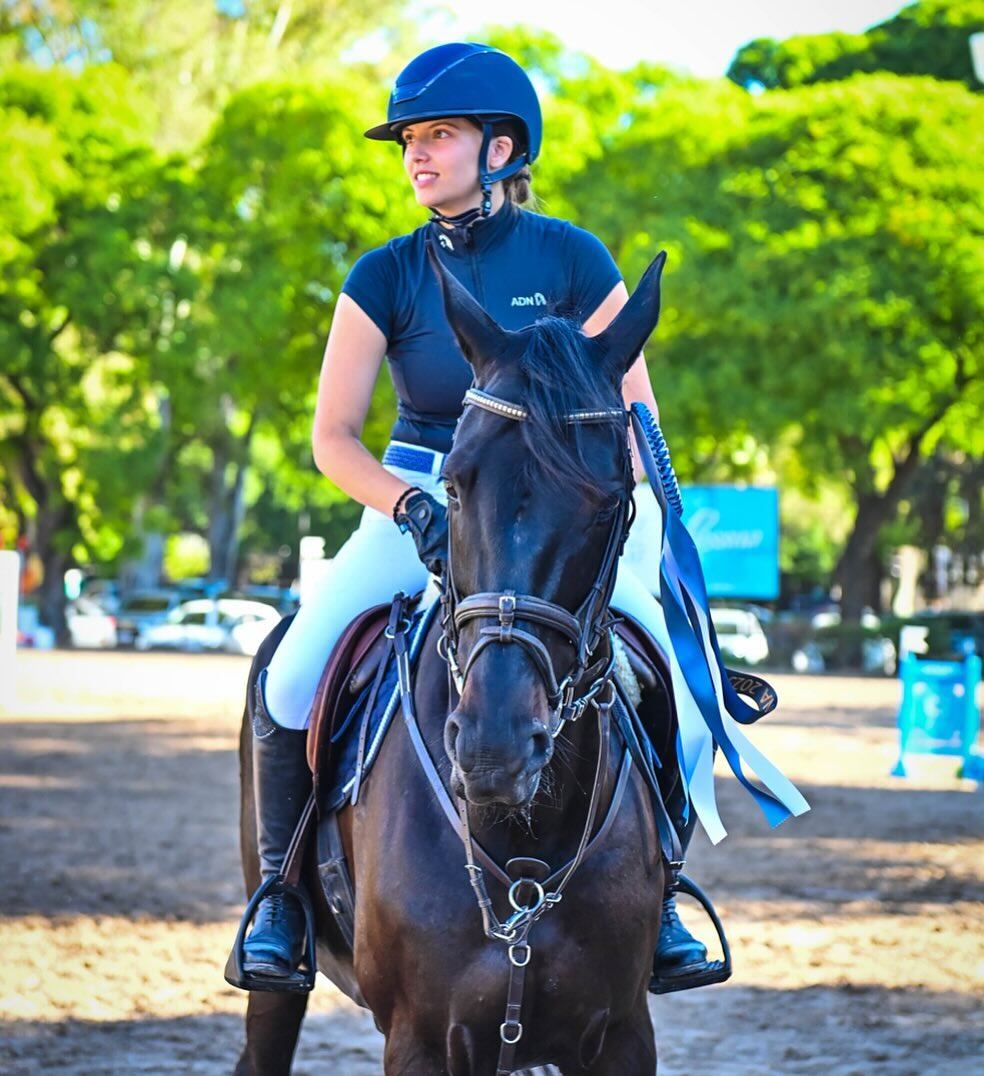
[[427, 521]]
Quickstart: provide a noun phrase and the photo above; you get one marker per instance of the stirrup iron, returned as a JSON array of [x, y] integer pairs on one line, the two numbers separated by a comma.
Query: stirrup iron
[[712, 971], [301, 980]]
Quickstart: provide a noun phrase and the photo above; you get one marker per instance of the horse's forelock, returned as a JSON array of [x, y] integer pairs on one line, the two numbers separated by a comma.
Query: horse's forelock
[[560, 377]]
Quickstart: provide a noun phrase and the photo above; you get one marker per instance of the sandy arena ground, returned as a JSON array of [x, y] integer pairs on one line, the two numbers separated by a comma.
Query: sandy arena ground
[[857, 930]]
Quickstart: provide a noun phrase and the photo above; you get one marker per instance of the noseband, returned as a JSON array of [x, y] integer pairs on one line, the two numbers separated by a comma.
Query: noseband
[[583, 629]]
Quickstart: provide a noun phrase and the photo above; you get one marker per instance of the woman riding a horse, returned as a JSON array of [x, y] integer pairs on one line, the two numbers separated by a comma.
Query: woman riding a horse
[[468, 122]]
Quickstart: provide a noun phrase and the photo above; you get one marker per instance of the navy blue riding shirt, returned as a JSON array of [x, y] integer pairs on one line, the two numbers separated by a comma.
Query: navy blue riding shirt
[[518, 265]]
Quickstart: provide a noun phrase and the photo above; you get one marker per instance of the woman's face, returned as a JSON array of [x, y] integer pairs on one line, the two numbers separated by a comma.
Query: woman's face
[[441, 159]]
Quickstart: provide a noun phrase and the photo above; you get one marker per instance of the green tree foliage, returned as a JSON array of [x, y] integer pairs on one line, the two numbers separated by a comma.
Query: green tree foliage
[[81, 272], [163, 320], [278, 214], [825, 274], [926, 38], [188, 57]]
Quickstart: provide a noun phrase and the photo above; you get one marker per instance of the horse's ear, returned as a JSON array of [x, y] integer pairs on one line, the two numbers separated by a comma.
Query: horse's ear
[[482, 341], [619, 344]]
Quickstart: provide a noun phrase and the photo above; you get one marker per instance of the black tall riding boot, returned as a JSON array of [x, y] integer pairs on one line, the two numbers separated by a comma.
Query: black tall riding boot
[[281, 785], [678, 952]]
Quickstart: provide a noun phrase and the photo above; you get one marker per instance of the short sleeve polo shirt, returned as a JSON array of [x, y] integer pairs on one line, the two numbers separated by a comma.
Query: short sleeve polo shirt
[[518, 265]]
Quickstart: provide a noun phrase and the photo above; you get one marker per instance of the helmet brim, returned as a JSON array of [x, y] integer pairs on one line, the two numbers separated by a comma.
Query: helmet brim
[[390, 132], [382, 132]]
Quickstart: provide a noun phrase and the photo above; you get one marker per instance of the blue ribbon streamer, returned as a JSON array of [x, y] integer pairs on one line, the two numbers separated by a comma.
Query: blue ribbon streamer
[[686, 608]]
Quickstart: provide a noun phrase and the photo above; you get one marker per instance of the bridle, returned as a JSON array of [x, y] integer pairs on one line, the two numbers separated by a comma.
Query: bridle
[[584, 629]]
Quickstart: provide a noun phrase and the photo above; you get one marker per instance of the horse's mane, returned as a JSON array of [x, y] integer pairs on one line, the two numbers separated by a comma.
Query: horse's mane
[[561, 377]]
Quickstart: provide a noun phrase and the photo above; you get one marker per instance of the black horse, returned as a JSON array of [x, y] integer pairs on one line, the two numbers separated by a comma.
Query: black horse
[[539, 487]]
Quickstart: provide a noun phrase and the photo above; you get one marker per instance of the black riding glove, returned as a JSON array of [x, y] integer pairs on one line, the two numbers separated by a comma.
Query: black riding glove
[[427, 521]]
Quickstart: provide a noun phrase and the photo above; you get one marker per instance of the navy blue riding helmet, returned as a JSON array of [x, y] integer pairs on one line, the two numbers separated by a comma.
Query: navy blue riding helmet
[[466, 79]]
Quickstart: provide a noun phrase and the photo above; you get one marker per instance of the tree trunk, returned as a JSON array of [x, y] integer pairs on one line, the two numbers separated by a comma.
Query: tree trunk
[[854, 574], [49, 544], [144, 572], [238, 511], [55, 527], [858, 571], [51, 595], [220, 522], [228, 505]]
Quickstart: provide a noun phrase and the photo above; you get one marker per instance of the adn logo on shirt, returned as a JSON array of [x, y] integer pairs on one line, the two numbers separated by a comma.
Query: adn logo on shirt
[[536, 299]]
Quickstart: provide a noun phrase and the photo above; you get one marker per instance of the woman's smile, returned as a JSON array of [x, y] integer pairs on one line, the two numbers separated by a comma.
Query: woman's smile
[[424, 178]]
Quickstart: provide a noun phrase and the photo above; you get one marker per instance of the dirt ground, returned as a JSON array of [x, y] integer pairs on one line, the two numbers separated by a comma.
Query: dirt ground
[[856, 930]]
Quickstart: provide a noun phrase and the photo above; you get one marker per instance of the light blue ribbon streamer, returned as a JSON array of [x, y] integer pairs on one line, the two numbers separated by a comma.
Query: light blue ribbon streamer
[[695, 649]]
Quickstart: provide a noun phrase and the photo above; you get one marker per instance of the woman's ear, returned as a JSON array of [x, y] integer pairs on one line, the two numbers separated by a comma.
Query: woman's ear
[[500, 151]]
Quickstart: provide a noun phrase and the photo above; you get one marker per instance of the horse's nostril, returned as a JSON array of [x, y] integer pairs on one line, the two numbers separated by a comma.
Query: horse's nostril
[[454, 745], [542, 746]]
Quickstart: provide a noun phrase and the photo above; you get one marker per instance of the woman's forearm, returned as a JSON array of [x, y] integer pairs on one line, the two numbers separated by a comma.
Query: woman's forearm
[[345, 460], [636, 387]]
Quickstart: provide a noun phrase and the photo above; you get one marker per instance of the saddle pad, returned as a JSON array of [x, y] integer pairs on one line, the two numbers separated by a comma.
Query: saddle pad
[[336, 785]]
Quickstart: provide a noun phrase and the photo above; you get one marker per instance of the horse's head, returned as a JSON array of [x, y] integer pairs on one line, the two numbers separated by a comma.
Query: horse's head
[[539, 503]]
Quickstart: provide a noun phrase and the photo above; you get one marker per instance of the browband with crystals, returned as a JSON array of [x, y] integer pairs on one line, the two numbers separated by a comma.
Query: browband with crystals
[[483, 399]]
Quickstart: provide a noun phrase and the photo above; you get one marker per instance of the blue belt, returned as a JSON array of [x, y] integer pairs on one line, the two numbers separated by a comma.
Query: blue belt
[[413, 458]]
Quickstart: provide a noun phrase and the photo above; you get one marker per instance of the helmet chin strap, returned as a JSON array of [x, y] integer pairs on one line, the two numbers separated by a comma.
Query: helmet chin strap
[[485, 179]]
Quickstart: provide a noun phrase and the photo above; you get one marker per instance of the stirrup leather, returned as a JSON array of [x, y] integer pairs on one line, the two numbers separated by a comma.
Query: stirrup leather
[[711, 971]]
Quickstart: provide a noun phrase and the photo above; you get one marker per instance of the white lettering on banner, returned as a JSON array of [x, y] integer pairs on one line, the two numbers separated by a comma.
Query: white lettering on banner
[[702, 526], [536, 299]]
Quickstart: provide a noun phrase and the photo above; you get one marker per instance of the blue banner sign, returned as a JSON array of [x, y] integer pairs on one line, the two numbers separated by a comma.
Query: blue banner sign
[[736, 531], [939, 714]]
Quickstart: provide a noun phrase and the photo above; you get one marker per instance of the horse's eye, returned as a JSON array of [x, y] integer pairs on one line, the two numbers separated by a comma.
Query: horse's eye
[[607, 511], [451, 492]]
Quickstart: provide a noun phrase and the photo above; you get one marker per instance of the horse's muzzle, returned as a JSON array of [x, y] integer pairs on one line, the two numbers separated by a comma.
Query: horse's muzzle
[[504, 771]]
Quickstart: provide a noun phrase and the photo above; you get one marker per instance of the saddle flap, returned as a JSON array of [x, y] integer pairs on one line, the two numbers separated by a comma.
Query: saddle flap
[[364, 669], [356, 654], [351, 648]]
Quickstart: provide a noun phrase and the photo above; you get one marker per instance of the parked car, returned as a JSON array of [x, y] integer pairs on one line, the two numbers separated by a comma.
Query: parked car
[[207, 624], [141, 610], [952, 632], [89, 625], [250, 627], [30, 631], [199, 587], [878, 652], [283, 599], [740, 635]]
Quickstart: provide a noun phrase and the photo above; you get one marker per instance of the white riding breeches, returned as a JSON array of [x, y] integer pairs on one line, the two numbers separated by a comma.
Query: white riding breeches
[[379, 559], [375, 562]]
